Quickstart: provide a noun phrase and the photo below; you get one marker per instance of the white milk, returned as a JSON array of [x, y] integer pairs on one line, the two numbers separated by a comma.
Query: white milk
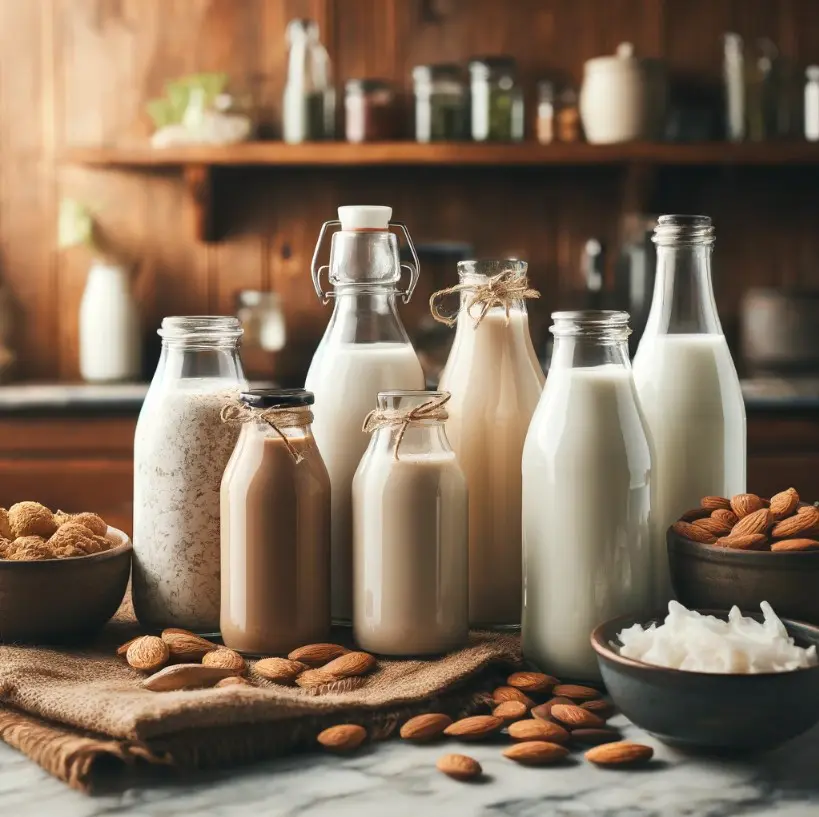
[[495, 379], [692, 402], [586, 515], [346, 379]]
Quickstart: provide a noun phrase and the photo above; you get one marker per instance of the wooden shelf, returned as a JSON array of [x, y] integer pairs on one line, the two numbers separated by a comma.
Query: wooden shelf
[[197, 164]]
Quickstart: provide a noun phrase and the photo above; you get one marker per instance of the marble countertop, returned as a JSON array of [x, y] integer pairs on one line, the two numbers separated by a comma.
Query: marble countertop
[[399, 780]]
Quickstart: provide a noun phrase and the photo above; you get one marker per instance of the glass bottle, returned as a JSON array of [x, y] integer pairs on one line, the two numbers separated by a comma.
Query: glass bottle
[[734, 81], [181, 448], [495, 380], [365, 350], [440, 103], [308, 111], [497, 100], [275, 521], [587, 496], [370, 112], [545, 112], [811, 104], [410, 522], [688, 386]]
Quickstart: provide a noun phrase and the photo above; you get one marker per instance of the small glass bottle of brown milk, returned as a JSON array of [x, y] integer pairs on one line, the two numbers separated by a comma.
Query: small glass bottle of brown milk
[[275, 519], [410, 538]]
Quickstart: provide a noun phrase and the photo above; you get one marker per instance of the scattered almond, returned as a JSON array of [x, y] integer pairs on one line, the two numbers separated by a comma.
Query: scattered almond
[[544, 711], [576, 692], [713, 525], [536, 753], [345, 737], [806, 520], [744, 504], [233, 681], [510, 711], [753, 541], [186, 646], [350, 664], [603, 709], [459, 767], [425, 727], [123, 648], [531, 729], [715, 503], [315, 655], [185, 676], [754, 522], [594, 737], [623, 753], [474, 727], [728, 517], [576, 717], [689, 531], [784, 503], [502, 694], [312, 678], [794, 545], [279, 670], [147, 653], [223, 657], [531, 681]]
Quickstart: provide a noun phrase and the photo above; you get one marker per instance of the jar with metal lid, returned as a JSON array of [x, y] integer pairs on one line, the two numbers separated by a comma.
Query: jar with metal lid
[[370, 111], [440, 103], [497, 100]]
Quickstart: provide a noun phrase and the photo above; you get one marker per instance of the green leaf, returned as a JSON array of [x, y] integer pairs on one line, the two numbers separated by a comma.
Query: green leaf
[[75, 225], [161, 112]]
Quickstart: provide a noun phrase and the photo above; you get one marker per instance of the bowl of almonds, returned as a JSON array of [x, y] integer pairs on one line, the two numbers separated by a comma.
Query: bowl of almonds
[[62, 576], [747, 549]]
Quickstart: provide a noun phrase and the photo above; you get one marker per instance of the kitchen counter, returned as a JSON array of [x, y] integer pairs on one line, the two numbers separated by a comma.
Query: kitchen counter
[[397, 779]]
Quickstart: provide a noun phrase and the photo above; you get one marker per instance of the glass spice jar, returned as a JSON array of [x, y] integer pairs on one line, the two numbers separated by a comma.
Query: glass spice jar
[[497, 101], [370, 110], [440, 103], [545, 123], [568, 117]]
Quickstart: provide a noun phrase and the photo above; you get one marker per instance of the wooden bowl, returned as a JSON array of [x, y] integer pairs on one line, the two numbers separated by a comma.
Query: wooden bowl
[[709, 711], [63, 600], [717, 578]]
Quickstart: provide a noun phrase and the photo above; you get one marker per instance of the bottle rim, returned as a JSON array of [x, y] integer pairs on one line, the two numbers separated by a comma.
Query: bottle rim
[[600, 323], [683, 230], [207, 328], [489, 267]]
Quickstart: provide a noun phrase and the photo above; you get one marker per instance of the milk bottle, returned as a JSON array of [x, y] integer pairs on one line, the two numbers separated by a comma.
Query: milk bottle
[[495, 380], [688, 386], [365, 350], [587, 494]]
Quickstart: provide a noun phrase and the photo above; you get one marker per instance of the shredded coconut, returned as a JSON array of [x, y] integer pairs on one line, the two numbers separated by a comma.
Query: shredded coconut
[[688, 640]]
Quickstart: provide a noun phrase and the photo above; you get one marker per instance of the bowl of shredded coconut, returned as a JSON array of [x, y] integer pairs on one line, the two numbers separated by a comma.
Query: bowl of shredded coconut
[[713, 680]]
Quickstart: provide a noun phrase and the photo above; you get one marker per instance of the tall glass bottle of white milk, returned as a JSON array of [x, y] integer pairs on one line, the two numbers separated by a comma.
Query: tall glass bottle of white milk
[[688, 386], [587, 494], [365, 350]]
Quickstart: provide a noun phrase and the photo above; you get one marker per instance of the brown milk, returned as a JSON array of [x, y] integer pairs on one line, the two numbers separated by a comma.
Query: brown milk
[[496, 380], [275, 543], [410, 553]]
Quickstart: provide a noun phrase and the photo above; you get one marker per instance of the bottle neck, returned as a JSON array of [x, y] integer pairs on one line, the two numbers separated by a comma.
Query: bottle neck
[[579, 352], [683, 301], [366, 314], [180, 360]]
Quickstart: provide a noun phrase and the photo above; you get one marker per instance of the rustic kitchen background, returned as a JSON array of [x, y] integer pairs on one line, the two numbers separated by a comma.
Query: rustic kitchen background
[[76, 76]]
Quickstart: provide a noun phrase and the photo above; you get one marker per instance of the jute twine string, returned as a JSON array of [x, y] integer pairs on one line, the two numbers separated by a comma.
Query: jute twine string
[[403, 418], [277, 417], [502, 289]]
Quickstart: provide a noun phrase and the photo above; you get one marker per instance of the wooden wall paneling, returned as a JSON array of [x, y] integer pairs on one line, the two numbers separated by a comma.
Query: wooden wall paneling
[[27, 205]]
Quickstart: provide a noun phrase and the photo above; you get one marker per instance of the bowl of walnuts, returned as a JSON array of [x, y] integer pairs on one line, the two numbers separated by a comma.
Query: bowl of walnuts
[[62, 576]]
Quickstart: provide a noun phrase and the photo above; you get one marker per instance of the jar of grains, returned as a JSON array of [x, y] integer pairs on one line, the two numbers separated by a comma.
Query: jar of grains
[[370, 111], [497, 100], [440, 103], [181, 449]]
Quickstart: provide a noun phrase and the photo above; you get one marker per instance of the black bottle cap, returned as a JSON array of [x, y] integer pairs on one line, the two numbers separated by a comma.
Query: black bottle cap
[[267, 398]]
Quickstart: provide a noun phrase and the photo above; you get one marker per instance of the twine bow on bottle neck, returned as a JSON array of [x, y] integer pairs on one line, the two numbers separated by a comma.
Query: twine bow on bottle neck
[[277, 417], [502, 289], [403, 418]]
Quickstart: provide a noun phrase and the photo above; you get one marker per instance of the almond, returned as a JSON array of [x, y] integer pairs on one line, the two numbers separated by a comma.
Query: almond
[[807, 508], [794, 545], [576, 692], [715, 526], [510, 711], [728, 517], [531, 681], [806, 520], [715, 503], [576, 717], [279, 670], [784, 503], [474, 727], [147, 653], [186, 646], [622, 753], [350, 664], [744, 504], [185, 676], [603, 709], [594, 737], [689, 531], [345, 737], [755, 522], [544, 711], [233, 681], [459, 767], [753, 541], [425, 727], [694, 514], [123, 648], [502, 694], [536, 753], [223, 657], [312, 678], [531, 729], [314, 655]]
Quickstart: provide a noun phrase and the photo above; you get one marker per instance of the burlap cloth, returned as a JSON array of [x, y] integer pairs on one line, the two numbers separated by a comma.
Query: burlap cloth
[[70, 709]]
